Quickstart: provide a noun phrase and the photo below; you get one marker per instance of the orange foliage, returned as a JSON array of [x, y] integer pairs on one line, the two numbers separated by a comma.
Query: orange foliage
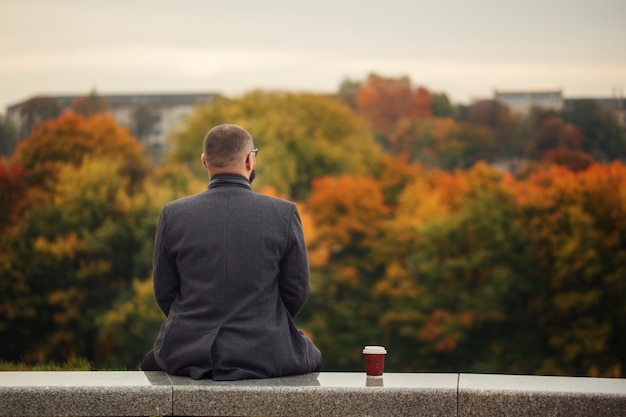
[[12, 190], [385, 101], [422, 99], [432, 197], [68, 139], [395, 174], [348, 210], [436, 329]]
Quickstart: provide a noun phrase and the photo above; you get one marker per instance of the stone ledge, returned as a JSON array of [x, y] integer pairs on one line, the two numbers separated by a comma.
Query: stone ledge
[[48, 394], [321, 394], [328, 394], [524, 395]]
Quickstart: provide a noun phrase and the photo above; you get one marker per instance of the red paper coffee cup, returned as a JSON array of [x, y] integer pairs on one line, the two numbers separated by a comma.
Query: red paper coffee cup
[[374, 360]]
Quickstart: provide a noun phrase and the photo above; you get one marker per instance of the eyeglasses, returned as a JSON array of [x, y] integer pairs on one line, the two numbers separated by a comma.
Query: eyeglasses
[[253, 151]]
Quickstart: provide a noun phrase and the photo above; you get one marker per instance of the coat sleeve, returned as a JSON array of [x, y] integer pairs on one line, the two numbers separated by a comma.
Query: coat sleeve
[[166, 277], [294, 279]]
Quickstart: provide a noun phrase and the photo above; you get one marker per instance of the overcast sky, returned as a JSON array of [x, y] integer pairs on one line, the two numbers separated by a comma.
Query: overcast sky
[[464, 48]]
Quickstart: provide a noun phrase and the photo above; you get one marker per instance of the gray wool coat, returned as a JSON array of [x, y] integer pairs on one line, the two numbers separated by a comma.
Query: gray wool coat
[[231, 273]]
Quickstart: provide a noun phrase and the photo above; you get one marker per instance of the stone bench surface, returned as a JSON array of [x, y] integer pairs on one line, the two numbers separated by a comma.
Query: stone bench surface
[[117, 393], [85, 394], [320, 394], [524, 395]]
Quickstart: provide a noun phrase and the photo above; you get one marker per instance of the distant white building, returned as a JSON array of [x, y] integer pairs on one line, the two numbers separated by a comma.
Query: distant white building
[[521, 102], [150, 117]]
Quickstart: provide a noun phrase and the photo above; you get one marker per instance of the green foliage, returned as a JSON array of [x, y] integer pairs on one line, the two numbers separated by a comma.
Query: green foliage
[[8, 137], [81, 234], [128, 330], [576, 226], [441, 106], [70, 256], [503, 125], [605, 137], [454, 273], [300, 137]]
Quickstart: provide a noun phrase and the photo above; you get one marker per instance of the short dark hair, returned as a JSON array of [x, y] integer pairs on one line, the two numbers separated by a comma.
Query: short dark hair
[[225, 144]]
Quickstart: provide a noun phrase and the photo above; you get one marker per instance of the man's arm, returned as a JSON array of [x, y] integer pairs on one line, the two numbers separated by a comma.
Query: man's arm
[[166, 278], [294, 278]]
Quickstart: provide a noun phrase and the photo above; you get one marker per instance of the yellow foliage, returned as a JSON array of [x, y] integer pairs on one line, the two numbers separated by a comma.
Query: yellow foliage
[[396, 282], [62, 248]]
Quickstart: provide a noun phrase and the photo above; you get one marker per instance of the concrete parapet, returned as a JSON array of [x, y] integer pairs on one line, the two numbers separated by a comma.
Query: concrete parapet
[[328, 394], [320, 394], [48, 394], [523, 395]]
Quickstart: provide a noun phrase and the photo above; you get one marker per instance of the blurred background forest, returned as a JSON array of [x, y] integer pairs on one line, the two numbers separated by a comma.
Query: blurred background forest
[[419, 239]]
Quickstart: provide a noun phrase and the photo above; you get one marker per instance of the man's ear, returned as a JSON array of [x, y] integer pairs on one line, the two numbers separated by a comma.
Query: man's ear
[[203, 159]]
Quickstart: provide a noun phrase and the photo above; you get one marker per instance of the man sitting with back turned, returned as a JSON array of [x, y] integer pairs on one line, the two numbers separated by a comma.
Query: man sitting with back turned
[[230, 273]]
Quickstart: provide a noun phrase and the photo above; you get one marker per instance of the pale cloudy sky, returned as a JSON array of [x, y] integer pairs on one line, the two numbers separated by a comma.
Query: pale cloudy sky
[[464, 48]]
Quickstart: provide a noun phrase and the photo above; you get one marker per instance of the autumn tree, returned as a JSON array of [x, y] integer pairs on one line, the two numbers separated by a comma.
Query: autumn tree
[[554, 133], [347, 212], [576, 228], [453, 274], [79, 233], [502, 122], [12, 192], [384, 102], [8, 137], [300, 136], [442, 142], [441, 107], [76, 266], [422, 140], [68, 139], [127, 331], [605, 137], [394, 173], [65, 256]]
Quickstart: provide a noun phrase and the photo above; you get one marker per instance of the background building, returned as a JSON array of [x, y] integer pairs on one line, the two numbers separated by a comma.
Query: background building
[[521, 102], [150, 117]]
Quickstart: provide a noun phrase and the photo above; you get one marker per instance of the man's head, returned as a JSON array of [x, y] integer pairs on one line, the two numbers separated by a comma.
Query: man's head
[[228, 149]]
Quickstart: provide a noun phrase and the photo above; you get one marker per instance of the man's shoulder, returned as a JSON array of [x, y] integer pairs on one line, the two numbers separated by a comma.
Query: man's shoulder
[[272, 199], [186, 201]]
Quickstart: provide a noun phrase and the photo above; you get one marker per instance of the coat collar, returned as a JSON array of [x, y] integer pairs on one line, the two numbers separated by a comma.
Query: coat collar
[[226, 180]]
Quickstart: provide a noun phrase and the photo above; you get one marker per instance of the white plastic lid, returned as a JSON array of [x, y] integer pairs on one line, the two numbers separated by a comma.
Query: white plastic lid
[[380, 350]]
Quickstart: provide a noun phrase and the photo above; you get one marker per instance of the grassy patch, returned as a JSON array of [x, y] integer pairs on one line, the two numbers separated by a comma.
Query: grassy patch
[[72, 364]]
